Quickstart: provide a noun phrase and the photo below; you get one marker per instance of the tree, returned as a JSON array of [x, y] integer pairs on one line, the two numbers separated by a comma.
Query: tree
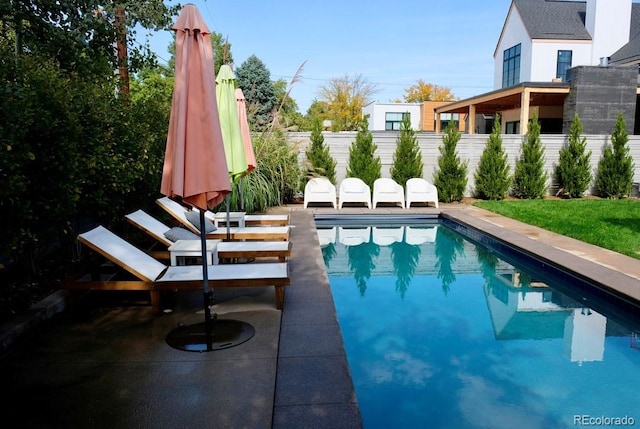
[[363, 163], [492, 175], [320, 160], [254, 79], [615, 168], [529, 177], [407, 159], [423, 91], [346, 96], [318, 110], [451, 176], [573, 173]]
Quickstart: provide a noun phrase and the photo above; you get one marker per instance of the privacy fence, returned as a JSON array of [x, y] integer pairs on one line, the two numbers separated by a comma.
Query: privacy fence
[[469, 149]]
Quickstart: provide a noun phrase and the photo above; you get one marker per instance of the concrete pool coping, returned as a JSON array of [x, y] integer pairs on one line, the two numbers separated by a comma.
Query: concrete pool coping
[[294, 373]]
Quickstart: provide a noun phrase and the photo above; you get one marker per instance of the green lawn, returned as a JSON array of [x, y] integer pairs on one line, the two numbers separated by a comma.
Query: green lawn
[[611, 224]]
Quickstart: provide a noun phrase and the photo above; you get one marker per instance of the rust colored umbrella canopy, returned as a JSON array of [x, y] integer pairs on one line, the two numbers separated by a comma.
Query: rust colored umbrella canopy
[[241, 107], [195, 167]]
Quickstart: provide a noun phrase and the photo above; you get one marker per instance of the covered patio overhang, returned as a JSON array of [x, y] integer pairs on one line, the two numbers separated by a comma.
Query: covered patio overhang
[[522, 96]]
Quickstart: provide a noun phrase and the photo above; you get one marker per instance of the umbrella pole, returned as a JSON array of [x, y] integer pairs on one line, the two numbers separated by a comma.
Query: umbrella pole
[[227, 199], [208, 296]]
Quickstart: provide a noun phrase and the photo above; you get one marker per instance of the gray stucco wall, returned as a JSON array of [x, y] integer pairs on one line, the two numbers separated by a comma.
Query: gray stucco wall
[[598, 94], [469, 148]]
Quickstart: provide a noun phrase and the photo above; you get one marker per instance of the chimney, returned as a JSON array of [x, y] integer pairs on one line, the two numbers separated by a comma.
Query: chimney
[[608, 22]]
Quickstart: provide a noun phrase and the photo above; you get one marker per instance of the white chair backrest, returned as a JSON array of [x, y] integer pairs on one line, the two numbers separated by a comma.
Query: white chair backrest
[[151, 225], [385, 184], [418, 184], [320, 184], [178, 212], [122, 253], [355, 185]]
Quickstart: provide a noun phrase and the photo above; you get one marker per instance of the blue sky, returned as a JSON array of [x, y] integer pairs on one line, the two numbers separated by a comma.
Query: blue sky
[[391, 44]]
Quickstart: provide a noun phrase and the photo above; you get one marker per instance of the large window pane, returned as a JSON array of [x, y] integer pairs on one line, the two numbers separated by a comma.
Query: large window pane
[[563, 64], [511, 66]]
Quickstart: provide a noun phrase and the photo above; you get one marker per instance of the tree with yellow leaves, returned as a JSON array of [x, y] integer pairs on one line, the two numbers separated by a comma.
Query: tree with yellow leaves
[[345, 97], [424, 91]]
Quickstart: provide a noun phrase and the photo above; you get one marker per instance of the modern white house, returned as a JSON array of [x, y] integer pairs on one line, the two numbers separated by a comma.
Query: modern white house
[[557, 58], [389, 116]]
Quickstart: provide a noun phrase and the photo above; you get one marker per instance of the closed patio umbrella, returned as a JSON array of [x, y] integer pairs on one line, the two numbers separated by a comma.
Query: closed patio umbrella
[[195, 167], [232, 133]]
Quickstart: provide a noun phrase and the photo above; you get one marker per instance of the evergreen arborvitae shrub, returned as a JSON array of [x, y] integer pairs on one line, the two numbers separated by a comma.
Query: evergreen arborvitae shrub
[[529, 177], [321, 163], [492, 174], [573, 173], [407, 159], [451, 176], [615, 168], [363, 163]]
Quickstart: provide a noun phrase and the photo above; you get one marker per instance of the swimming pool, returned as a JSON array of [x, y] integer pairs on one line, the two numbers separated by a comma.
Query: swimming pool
[[441, 331]]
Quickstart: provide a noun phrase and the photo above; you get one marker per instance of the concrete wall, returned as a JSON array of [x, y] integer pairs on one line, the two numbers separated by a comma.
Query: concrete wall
[[469, 148]]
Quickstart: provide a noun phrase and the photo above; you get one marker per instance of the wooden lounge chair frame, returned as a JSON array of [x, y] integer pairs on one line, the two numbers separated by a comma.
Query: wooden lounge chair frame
[[235, 233], [225, 249], [153, 276]]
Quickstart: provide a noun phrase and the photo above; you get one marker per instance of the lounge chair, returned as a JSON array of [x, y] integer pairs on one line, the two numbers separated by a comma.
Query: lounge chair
[[220, 219], [354, 190], [152, 275], [387, 236], [420, 235], [225, 249], [182, 215], [354, 236], [387, 190], [419, 190], [320, 190]]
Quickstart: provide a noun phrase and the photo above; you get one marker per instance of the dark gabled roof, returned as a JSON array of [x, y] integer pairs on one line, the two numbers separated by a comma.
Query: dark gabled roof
[[553, 19], [630, 52]]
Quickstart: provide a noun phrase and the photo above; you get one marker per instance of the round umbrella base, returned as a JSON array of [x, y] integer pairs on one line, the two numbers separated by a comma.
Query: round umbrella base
[[224, 334]]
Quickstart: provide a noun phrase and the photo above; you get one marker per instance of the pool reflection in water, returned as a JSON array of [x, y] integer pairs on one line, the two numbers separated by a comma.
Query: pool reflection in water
[[440, 332]]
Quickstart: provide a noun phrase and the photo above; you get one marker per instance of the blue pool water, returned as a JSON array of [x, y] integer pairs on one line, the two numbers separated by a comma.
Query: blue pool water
[[442, 332]]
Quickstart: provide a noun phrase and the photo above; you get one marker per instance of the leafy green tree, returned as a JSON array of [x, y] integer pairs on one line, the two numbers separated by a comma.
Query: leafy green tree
[[492, 174], [573, 173], [318, 110], [254, 79], [318, 156], [288, 115], [407, 159], [615, 168], [451, 176], [529, 177], [363, 163]]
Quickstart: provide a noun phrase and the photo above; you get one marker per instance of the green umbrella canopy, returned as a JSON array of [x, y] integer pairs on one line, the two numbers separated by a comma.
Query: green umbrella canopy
[[229, 123]]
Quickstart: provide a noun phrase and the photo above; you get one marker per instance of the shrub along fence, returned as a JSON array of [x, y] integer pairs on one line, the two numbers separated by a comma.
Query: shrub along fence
[[469, 147]]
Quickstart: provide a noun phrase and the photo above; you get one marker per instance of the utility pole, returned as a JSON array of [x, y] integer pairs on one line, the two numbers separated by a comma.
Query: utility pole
[[121, 42]]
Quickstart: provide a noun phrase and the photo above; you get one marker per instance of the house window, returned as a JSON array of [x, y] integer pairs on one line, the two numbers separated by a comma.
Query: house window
[[512, 127], [564, 64], [446, 118], [511, 66], [393, 120]]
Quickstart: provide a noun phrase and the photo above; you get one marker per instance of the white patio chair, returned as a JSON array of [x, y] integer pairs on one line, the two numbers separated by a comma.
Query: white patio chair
[[354, 236], [354, 190], [419, 190], [387, 190], [387, 236], [420, 235], [319, 190], [326, 236]]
